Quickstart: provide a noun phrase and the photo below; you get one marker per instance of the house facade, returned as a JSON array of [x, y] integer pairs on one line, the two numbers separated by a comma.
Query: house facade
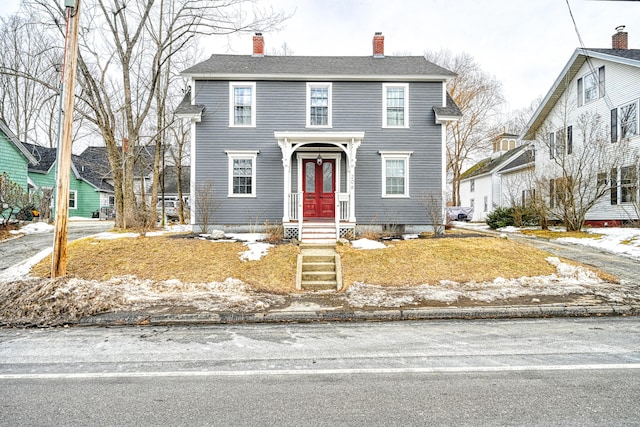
[[15, 158], [88, 191], [587, 134], [501, 180], [344, 141]]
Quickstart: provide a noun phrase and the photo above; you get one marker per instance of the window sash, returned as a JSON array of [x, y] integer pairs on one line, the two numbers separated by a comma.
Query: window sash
[[73, 199], [628, 184], [395, 177], [629, 120], [591, 85], [242, 104], [319, 104], [242, 176], [395, 106]]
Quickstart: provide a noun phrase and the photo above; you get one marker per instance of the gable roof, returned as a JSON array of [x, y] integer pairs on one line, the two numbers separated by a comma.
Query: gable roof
[[225, 67], [513, 158], [578, 59], [16, 142], [84, 170]]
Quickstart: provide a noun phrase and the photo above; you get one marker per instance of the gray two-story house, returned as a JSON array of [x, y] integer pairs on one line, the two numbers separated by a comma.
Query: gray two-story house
[[340, 141]]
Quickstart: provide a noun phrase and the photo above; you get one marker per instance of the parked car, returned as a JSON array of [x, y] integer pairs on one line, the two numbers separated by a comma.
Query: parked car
[[170, 209]]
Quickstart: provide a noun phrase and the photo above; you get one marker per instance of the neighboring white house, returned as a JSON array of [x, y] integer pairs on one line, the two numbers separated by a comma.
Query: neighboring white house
[[500, 180], [598, 91]]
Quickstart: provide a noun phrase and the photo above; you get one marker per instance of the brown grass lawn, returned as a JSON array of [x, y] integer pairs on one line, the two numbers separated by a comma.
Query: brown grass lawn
[[402, 263]]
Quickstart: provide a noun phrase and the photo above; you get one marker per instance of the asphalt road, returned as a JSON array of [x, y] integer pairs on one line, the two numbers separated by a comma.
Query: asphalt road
[[17, 250], [518, 372]]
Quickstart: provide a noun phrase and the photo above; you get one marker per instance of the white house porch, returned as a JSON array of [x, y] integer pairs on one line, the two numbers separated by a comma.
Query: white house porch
[[321, 204]]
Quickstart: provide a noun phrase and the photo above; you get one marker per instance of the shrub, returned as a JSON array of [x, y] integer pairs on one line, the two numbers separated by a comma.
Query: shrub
[[501, 217]]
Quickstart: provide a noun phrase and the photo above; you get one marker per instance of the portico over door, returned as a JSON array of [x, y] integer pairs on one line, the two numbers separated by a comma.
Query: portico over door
[[319, 184]]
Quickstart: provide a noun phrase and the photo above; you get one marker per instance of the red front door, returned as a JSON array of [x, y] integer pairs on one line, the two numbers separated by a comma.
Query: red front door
[[319, 188]]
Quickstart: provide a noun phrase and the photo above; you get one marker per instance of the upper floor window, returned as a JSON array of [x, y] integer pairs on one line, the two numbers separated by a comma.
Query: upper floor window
[[319, 104], [560, 142], [395, 105], [242, 100], [395, 173], [242, 173], [472, 185], [591, 87], [629, 120]]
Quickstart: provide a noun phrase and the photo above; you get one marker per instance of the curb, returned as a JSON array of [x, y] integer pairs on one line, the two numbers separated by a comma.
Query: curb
[[462, 313]]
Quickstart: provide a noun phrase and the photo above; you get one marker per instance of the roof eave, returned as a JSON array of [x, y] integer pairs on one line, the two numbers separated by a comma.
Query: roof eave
[[320, 77]]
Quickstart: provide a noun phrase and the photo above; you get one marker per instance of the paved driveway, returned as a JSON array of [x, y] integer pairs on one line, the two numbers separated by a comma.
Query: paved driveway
[[17, 250], [624, 268]]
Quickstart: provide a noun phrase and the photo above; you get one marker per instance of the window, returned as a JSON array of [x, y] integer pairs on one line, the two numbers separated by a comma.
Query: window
[[629, 120], [569, 139], [472, 185], [242, 173], [472, 203], [319, 105], [242, 104], [591, 87], [395, 105], [486, 203], [73, 199], [559, 191], [628, 184], [395, 173], [614, 186], [552, 145]]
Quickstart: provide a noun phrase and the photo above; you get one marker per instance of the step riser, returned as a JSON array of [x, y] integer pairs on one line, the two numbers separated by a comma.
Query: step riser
[[318, 266], [322, 276], [319, 286], [312, 259]]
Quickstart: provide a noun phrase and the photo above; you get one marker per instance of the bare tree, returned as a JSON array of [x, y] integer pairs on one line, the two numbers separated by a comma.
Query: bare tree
[[125, 48], [479, 96], [578, 172], [29, 81]]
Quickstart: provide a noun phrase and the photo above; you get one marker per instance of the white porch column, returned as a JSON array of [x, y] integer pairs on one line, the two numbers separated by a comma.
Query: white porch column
[[352, 148], [285, 147]]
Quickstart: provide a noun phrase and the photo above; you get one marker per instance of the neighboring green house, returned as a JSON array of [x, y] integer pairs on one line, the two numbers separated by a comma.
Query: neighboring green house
[[15, 158], [88, 191]]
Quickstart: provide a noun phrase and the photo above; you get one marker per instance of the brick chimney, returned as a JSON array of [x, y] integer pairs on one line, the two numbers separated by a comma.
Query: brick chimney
[[620, 39], [378, 45], [258, 45]]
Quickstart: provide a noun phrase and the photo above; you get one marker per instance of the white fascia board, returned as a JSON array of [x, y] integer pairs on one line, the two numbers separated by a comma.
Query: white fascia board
[[324, 77]]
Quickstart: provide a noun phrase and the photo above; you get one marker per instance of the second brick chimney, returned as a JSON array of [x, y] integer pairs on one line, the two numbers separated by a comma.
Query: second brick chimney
[[378, 45], [258, 45], [620, 40]]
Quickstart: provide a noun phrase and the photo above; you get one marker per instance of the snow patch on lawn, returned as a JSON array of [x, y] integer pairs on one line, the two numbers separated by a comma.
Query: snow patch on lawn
[[568, 280], [34, 228], [367, 244], [624, 241]]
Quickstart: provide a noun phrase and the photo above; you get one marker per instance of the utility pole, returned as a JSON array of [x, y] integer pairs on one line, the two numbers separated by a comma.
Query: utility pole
[[59, 258]]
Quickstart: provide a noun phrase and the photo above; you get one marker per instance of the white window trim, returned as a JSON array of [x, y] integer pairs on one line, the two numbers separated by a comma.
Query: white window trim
[[405, 86], [395, 155], [619, 119], [242, 155], [584, 87], [75, 199], [232, 86], [330, 106]]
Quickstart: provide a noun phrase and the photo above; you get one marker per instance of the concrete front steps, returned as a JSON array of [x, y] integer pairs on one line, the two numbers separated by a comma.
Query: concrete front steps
[[318, 233], [318, 267]]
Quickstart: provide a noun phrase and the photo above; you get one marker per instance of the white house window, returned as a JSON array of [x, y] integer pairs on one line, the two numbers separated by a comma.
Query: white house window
[[486, 203], [628, 120], [591, 87], [395, 105], [319, 105], [395, 173], [628, 184], [472, 185], [242, 173], [73, 199], [242, 100]]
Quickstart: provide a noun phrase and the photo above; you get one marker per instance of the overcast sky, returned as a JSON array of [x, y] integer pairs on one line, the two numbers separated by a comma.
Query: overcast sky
[[523, 43]]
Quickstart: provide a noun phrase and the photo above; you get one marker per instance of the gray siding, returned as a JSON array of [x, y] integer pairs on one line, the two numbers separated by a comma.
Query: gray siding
[[281, 106]]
